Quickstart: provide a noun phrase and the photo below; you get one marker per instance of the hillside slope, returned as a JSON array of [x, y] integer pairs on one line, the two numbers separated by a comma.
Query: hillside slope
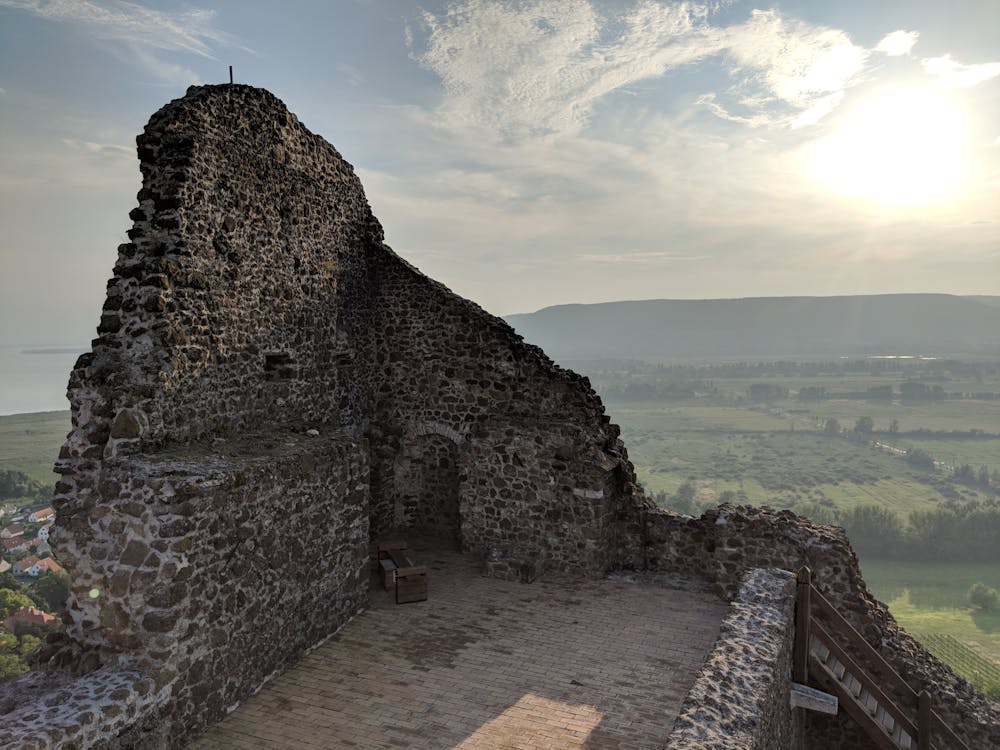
[[766, 326]]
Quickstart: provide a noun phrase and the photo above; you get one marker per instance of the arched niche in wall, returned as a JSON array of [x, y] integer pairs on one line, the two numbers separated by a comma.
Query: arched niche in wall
[[426, 475]]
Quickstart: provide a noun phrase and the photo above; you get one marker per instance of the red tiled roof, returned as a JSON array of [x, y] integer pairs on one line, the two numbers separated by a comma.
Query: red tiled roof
[[15, 543], [41, 515], [26, 563], [47, 563], [29, 616]]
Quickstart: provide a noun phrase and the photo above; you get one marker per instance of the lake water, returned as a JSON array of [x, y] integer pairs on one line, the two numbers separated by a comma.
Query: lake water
[[33, 378]]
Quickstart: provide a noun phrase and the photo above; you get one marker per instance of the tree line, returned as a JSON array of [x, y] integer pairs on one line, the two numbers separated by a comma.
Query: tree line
[[956, 533]]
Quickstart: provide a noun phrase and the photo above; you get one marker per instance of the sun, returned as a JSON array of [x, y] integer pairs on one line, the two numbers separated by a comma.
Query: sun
[[903, 147]]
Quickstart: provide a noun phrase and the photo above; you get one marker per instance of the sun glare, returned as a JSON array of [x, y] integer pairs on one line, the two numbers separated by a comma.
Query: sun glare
[[903, 147]]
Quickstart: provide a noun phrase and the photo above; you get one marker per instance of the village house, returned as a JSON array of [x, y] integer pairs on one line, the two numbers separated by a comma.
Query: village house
[[15, 545], [28, 616], [34, 567], [41, 515], [12, 530]]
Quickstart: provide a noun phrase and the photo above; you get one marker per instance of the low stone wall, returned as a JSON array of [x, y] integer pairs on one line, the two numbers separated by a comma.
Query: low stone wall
[[727, 541], [42, 711], [213, 566], [740, 700]]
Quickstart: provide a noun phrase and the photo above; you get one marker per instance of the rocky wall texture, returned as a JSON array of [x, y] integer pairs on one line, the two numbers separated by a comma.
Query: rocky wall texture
[[212, 566], [447, 368], [740, 699], [727, 541], [45, 712], [522, 476]]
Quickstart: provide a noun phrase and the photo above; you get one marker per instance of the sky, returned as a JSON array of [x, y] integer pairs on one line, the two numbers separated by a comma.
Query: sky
[[537, 152]]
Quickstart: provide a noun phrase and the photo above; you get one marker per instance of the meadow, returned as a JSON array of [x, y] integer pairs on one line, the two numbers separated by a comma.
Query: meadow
[[30, 442]]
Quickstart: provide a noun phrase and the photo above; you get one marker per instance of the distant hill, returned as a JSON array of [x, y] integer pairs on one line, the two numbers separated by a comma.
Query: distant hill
[[767, 326]]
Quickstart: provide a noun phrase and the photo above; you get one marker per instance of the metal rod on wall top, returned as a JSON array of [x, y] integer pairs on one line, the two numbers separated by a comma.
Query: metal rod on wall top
[[230, 75]]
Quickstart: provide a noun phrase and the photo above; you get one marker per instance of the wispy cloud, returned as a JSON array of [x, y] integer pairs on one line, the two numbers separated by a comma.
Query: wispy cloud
[[897, 43], [354, 76], [144, 31], [796, 67], [540, 67], [101, 149], [951, 73]]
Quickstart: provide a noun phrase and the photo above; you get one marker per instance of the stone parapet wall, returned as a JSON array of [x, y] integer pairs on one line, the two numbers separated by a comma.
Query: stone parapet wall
[[740, 699], [726, 542], [56, 712], [212, 566]]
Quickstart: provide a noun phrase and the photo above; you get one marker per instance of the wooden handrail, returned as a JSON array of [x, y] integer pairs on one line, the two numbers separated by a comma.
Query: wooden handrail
[[861, 676], [926, 720], [844, 628], [937, 724]]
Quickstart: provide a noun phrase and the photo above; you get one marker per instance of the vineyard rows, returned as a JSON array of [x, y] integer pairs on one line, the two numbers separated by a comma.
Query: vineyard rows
[[980, 672]]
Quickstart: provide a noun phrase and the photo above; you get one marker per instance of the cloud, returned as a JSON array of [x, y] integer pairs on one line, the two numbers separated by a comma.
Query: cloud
[[538, 68], [951, 73], [897, 43], [141, 29], [101, 149]]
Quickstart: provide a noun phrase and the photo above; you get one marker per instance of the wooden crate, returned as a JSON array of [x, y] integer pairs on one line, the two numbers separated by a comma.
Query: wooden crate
[[411, 584]]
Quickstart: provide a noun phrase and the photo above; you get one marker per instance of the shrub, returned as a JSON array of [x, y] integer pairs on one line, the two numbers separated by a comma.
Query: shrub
[[984, 597]]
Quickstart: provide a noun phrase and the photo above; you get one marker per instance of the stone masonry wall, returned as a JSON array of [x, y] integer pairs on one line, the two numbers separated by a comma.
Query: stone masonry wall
[[447, 368], [740, 698], [212, 568], [522, 476], [254, 307]]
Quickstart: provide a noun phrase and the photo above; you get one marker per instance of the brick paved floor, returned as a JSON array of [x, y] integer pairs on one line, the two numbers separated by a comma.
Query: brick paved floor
[[559, 663]]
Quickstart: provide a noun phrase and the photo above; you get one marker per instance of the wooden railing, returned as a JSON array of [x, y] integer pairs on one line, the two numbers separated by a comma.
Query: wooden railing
[[862, 687]]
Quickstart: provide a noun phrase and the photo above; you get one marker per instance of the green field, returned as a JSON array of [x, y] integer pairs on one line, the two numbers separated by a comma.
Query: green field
[[956, 451], [30, 442], [742, 449], [943, 415], [931, 599]]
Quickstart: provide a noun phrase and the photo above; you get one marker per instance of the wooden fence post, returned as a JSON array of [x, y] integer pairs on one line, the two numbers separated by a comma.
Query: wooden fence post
[[924, 721], [803, 608]]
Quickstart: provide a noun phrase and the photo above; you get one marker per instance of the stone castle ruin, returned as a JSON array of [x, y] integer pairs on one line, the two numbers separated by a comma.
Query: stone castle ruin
[[272, 385]]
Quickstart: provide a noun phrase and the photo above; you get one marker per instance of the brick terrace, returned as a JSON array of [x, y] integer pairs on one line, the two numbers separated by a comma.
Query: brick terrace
[[558, 663]]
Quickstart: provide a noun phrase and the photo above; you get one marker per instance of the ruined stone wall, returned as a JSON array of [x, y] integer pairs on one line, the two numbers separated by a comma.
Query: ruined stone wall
[[212, 567], [272, 387], [540, 461], [726, 542], [522, 476]]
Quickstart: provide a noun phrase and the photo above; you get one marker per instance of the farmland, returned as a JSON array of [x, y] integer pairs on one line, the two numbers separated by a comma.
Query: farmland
[[30, 442]]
